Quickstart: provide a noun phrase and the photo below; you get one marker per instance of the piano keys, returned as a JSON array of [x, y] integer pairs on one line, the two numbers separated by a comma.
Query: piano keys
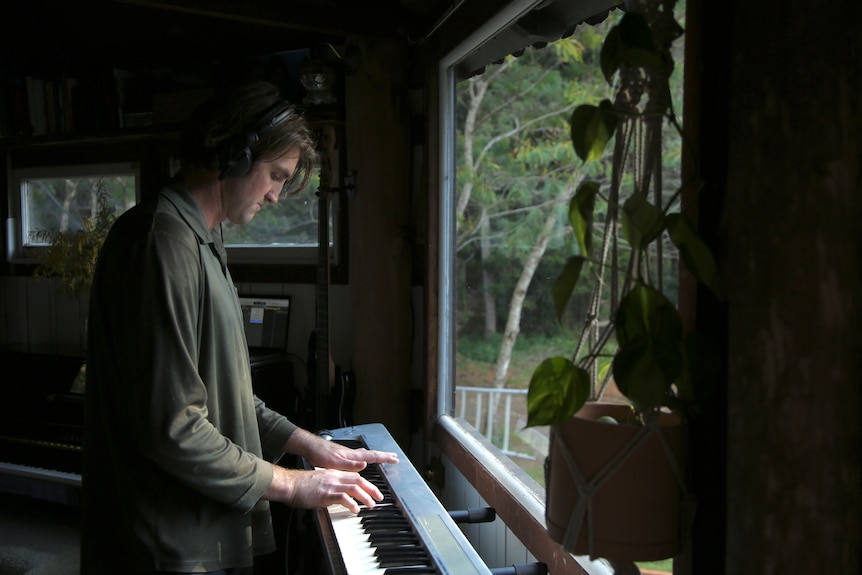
[[409, 532], [41, 474], [41, 426]]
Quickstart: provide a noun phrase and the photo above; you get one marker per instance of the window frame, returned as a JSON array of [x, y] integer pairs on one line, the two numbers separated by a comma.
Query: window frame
[[289, 264], [298, 264], [17, 250], [295, 254], [518, 499]]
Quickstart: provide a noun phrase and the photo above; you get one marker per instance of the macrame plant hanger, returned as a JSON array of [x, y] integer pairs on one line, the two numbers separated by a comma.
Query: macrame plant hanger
[[638, 148]]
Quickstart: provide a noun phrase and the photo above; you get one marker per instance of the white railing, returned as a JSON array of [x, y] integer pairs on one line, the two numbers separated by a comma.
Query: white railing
[[484, 402]]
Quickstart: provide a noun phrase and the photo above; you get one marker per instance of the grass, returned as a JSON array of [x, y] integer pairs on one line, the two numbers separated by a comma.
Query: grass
[[663, 565]]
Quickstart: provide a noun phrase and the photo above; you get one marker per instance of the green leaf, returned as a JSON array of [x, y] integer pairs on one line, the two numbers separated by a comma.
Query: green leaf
[[557, 390], [639, 374], [642, 221], [695, 253], [630, 42], [592, 127], [650, 356], [646, 312], [636, 42], [562, 288], [610, 59], [581, 214]]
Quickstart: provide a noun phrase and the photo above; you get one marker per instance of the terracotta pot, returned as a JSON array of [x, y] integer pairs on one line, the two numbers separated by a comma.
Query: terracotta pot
[[636, 510]]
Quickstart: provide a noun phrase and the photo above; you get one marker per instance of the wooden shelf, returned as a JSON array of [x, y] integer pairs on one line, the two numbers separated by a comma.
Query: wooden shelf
[[124, 136]]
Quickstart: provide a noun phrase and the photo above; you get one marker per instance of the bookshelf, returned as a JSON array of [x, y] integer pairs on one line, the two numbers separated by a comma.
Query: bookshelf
[[105, 100]]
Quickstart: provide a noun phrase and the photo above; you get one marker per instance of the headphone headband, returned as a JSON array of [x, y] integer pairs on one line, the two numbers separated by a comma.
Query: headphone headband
[[235, 155]]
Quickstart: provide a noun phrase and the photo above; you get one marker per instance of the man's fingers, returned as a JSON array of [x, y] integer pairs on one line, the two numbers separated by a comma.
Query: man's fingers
[[373, 456], [350, 503], [323, 487], [362, 492], [371, 489], [355, 491]]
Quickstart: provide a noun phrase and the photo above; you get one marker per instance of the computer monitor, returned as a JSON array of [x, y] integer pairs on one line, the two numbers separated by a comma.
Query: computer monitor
[[265, 320]]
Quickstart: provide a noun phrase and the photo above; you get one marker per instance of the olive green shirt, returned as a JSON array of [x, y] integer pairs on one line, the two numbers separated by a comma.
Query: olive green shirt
[[174, 436]]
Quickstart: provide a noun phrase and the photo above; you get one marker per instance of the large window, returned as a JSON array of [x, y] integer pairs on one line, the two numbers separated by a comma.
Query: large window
[[515, 171], [507, 172]]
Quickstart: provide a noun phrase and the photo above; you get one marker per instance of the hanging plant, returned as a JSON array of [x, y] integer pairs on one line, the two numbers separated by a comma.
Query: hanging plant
[[651, 360], [71, 255]]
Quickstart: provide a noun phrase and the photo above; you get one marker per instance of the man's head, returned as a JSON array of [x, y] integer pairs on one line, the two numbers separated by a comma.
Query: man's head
[[249, 124]]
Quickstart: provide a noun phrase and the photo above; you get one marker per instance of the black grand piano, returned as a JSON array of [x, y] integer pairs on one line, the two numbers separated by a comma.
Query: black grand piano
[[41, 425]]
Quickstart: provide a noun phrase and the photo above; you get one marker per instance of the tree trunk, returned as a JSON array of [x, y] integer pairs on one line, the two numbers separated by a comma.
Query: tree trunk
[[516, 303], [487, 280]]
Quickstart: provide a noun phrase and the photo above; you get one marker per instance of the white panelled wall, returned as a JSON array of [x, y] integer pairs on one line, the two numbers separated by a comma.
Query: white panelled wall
[[495, 542], [36, 317]]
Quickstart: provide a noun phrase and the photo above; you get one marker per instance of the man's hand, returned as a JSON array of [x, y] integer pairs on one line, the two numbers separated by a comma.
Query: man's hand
[[331, 455], [321, 488]]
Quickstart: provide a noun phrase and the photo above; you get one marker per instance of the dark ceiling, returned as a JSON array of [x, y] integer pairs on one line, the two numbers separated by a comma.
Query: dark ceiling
[[171, 45], [47, 33]]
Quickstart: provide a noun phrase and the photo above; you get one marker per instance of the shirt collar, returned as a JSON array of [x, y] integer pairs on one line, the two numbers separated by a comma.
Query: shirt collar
[[188, 208]]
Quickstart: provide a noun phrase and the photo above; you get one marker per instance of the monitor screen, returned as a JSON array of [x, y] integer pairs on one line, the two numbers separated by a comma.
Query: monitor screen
[[265, 321]]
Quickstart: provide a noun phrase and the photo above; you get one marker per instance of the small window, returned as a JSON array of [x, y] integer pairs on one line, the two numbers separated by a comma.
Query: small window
[[283, 232], [288, 231], [62, 199]]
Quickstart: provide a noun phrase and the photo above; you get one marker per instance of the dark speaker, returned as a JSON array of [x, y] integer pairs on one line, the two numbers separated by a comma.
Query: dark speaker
[[235, 157]]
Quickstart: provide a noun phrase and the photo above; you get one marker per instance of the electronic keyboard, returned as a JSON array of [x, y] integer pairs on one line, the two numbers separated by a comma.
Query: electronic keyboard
[[409, 532]]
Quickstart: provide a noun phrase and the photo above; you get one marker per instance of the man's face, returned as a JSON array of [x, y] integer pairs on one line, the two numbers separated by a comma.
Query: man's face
[[246, 195]]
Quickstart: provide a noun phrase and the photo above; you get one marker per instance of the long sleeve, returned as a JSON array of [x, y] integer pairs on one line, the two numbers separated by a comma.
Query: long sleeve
[[171, 415]]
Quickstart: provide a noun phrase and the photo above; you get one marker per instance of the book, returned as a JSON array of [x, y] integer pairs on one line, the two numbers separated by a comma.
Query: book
[[36, 105]]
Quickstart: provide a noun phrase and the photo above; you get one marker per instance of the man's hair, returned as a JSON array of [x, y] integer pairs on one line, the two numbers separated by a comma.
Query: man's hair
[[221, 127]]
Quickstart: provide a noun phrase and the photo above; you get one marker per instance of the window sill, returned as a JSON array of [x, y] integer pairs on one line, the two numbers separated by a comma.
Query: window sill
[[516, 497]]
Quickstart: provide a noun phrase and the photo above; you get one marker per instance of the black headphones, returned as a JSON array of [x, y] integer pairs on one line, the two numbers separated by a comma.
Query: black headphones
[[235, 156]]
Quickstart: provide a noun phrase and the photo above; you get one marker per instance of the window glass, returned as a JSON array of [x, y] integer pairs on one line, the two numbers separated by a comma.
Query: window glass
[[515, 172], [287, 232], [292, 222], [62, 199]]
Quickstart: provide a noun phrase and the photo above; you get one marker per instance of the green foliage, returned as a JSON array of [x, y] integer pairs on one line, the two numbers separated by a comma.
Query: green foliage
[[581, 210], [289, 222], [514, 159], [592, 129], [629, 43], [71, 256], [655, 364], [696, 255], [649, 334], [642, 221], [564, 285], [480, 349], [557, 385]]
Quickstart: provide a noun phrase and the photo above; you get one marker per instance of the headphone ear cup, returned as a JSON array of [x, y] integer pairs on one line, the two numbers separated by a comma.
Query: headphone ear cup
[[235, 156], [235, 159], [238, 164]]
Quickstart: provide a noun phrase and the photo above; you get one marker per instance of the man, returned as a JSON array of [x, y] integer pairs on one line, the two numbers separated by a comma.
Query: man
[[178, 453]]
